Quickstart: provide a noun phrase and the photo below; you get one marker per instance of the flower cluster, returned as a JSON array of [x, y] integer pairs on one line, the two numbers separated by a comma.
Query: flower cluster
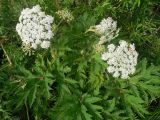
[[98, 48], [107, 29], [35, 28], [106, 26], [121, 59], [65, 15]]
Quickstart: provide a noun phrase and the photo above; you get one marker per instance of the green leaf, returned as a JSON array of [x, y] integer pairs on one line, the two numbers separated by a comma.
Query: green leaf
[[137, 104], [22, 98], [85, 114], [92, 99], [70, 81], [111, 105], [33, 95], [47, 88]]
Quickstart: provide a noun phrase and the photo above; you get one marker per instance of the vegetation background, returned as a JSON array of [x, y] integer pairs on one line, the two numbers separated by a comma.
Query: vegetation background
[[66, 82]]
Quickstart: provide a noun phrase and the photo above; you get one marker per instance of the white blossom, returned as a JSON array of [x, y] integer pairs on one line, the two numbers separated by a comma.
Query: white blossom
[[111, 47], [121, 59], [107, 29], [102, 40], [65, 15], [106, 25], [35, 28], [45, 44]]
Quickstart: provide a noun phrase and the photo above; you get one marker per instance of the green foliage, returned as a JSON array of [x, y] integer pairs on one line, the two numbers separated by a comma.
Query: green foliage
[[69, 80]]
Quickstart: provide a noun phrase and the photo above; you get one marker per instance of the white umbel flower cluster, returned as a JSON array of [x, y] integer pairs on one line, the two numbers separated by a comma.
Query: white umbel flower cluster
[[35, 28], [107, 29], [106, 26], [121, 59], [65, 15]]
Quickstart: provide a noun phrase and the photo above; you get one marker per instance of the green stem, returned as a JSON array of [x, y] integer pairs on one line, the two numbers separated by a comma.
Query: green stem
[[9, 60], [27, 111], [58, 26], [26, 3], [59, 23]]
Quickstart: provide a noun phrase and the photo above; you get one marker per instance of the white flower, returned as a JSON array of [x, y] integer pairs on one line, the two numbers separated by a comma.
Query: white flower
[[65, 15], [34, 45], [110, 69], [105, 56], [45, 44], [102, 40], [35, 28], [121, 60], [116, 74], [107, 29], [111, 47], [106, 25], [36, 9]]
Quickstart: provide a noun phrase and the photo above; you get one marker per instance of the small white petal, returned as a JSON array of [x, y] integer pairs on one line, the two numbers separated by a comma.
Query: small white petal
[[45, 44]]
